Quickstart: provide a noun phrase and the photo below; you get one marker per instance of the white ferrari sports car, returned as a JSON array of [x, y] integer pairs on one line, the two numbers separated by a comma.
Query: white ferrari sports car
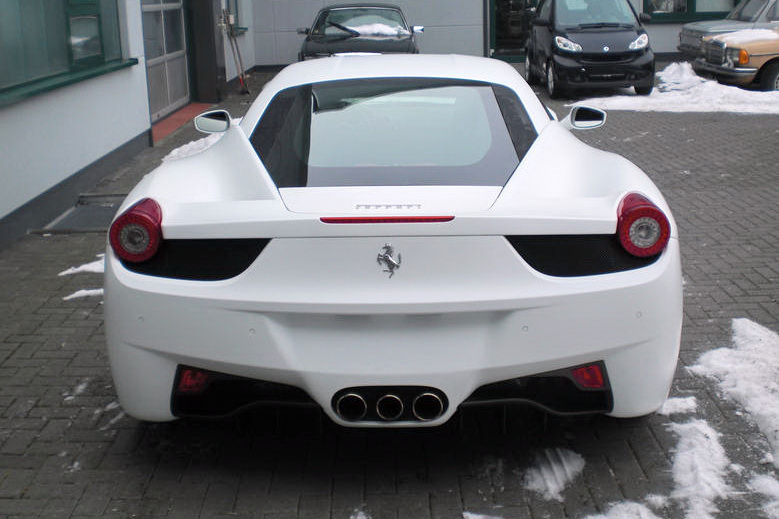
[[391, 238]]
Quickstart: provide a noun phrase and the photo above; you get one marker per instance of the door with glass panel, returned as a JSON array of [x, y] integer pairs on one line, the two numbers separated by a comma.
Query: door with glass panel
[[166, 56]]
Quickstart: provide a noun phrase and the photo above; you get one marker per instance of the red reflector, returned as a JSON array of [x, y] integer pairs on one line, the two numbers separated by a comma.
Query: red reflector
[[192, 380], [590, 377], [387, 219]]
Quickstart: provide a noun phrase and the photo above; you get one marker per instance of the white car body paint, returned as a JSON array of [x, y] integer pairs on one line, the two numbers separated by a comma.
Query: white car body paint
[[316, 311]]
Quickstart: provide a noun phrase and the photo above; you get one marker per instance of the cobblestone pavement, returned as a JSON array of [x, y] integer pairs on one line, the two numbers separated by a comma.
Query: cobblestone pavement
[[67, 450]]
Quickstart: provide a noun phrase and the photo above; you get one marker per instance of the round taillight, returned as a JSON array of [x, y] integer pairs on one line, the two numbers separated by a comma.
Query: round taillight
[[137, 234], [642, 227]]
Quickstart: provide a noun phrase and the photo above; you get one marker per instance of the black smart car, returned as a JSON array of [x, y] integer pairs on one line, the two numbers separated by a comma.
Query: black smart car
[[378, 28], [577, 44]]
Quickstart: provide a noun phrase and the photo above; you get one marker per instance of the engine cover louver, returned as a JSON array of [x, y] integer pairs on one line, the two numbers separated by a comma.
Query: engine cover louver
[[576, 255], [201, 260]]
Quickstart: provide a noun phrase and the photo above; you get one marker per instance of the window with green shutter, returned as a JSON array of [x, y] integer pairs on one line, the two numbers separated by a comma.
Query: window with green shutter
[[48, 43], [664, 11]]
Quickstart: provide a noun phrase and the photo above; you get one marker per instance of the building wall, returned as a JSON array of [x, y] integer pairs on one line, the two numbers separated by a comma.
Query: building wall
[[244, 40], [664, 37], [49, 137], [451, 26]]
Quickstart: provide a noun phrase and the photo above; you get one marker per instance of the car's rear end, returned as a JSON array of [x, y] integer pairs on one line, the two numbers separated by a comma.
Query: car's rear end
[[429, 246]]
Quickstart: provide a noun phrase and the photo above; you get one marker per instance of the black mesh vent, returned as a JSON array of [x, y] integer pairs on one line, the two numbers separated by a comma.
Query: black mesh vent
[[576, 255], [201, 260], [226, 395], [554, 391]]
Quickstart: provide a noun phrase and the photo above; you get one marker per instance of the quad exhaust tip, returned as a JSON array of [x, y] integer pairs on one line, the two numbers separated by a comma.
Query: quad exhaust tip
[[389, 404], [427, 406], [351, 407], [389, 407]]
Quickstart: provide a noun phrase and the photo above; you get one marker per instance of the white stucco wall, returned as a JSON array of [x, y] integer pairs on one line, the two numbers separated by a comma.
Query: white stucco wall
[[245, 41], [451, 26], [49, 137]]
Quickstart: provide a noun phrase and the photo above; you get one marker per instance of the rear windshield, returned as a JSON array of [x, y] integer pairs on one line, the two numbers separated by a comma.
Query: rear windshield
[[393, 132]]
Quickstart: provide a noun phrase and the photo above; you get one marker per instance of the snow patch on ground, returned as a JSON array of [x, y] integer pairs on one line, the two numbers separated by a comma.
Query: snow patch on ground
[[96, 267], [192, 148], [113, 420], [769, 487], [681, 90], [678, 406], [627, 510], [554, 470], [92, 292], [469, 515], [79, 389], [749, 374], [493, 470], [359, 514], [196, 146], [699, 468], [657, 501]]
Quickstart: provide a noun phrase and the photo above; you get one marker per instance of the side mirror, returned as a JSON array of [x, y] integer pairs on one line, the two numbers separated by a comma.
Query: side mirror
[[215, 121], [584, 118], [303, 30], [417, 29], [541, 22], [644, 17]]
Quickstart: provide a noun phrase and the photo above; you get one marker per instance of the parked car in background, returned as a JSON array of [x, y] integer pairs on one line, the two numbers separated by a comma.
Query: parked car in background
[[390, 238], [749, 14], [374, 28], [742, 58], [578, 44]]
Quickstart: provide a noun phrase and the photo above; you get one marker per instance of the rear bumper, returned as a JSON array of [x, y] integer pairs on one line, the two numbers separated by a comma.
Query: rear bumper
[[575, 73], [474, 324]]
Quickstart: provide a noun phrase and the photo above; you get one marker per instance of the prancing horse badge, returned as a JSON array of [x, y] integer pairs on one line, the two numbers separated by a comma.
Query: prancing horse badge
[[388, 260]]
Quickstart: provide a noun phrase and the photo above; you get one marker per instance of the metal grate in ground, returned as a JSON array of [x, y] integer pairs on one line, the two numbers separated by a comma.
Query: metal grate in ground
[[91, 214]]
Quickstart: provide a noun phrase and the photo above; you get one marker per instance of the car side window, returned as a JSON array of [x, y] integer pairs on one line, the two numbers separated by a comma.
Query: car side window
[[545, 9], [773, 13]]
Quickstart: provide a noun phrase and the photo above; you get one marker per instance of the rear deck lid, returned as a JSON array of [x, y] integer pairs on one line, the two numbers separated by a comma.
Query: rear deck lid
[[390, 200]]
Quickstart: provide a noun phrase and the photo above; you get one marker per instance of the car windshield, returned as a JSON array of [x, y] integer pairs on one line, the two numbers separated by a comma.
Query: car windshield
[[393, 132], [748, 10], [362, 21], [593, 13]]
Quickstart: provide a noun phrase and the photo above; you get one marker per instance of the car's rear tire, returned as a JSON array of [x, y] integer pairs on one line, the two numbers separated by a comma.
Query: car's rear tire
[[552, 86], [769, 77], [530, 77]]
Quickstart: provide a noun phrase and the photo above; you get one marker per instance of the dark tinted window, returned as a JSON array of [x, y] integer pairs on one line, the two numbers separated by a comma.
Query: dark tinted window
[[572, 13], [393, 132], [748, 10], [545, 9]]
